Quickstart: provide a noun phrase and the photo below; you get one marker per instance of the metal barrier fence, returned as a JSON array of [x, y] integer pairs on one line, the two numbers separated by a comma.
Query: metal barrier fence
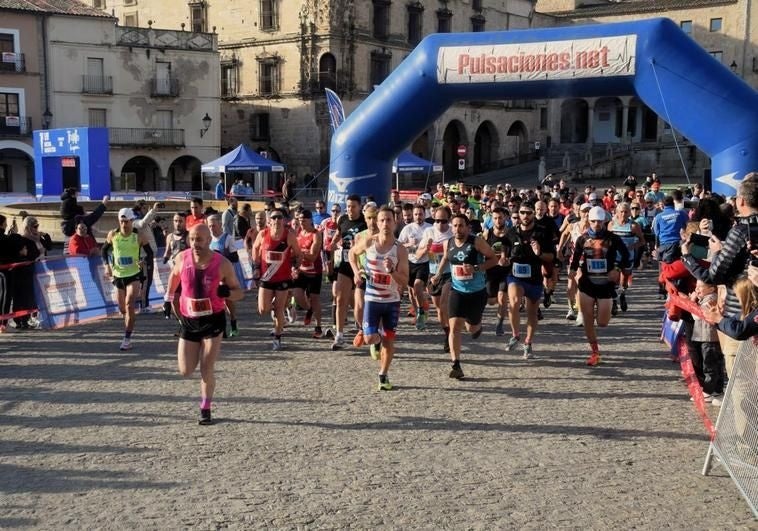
[[735, 444]]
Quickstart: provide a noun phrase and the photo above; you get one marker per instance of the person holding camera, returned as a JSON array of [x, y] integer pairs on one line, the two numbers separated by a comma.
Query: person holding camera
[[731, 262]]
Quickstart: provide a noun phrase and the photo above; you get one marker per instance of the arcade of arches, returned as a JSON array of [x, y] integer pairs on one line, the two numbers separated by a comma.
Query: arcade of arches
[[16, 171], [607, 120]]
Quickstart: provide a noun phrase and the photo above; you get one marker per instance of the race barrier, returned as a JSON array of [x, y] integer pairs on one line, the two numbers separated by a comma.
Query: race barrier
[[72, 290], [735, 443], [734, 438]]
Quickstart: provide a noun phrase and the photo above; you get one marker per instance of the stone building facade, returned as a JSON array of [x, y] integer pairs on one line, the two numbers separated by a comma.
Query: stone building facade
[[723, 27], [277, 56]]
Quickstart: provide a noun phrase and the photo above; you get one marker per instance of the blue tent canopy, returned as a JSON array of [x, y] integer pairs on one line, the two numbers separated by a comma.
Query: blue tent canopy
[[407, 162], [241, 158]]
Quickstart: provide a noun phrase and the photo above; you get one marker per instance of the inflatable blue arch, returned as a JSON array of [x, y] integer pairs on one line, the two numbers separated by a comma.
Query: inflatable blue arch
[[653, 59]]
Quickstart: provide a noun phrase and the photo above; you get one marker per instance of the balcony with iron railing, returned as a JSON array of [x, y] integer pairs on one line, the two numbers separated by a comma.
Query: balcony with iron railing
[[15, 126], [166, 39], [97, 84], [12, 62], [141, 136], [164, 87]]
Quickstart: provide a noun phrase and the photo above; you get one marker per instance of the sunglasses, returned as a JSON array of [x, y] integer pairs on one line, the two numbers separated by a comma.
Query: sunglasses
[[336, 211], [635, 208], [526, 212], [276, 217], [443, 221]]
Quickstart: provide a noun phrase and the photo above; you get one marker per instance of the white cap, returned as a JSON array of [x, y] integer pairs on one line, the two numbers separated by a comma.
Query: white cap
[[617, 197], [126, 213], [425, 197], [585, 206], [597, 214], [593, 196], [370, 204]]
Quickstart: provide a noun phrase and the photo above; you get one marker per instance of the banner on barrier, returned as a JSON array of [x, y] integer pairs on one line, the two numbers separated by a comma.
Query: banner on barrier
[[73, 289]]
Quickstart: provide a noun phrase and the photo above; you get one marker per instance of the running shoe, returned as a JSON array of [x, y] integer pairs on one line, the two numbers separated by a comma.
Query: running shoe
[[358, 339], [421, 321], [446, 345], [622, 302], [411, 312], [308, 317], [276, 344], [579, 319], [317, 333], [234, 332], [475, 335], [528, 354], [384, 385], [339, 343], [126, 344], [500, 328], [594, 358], [146, 309], [205, 417], [615, 308], [547, 299], [375, 350], [456, 372], [329, 334], [512, 342], [571, 315], [291, 314], [717, 400]]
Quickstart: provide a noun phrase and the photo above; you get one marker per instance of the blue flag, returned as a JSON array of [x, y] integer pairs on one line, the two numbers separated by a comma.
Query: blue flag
[[336, 110]]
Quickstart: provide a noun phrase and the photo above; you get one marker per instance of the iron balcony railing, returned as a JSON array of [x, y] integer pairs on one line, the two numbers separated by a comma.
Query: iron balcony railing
[[131, 136], [164, 87], [97, 85], [13, 126], [12, 62]]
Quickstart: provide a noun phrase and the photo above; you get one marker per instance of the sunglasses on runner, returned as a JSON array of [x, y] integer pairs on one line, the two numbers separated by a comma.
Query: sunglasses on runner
[[443, 221], [276, 217], [526, 212]]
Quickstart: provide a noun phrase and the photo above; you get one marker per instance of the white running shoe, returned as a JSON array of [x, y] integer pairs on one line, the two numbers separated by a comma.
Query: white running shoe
[[276, 344], [126, 344], [579, 319]]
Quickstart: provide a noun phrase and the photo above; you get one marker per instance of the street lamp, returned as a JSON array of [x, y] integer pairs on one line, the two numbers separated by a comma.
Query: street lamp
[[206, 125], [47, 119]]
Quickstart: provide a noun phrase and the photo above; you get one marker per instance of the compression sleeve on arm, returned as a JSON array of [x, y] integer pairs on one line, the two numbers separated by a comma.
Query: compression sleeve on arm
[[105, 252]]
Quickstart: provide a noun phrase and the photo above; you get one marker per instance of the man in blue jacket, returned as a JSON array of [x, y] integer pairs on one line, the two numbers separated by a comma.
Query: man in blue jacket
[[666, 226]]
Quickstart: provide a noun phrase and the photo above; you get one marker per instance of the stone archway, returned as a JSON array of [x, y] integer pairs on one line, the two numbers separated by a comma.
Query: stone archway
[[184, 174], [454, 136], [486, 145], [518, 138], [574, 121], [140, 174], [16, 170]]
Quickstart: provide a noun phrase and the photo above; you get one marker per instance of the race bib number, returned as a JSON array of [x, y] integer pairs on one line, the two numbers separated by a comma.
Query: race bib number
[[337, 258], [274, 257], [381, 279], [125, 260], [522, 270], [434, 263], [199, 307], [597, 265], [345, 255], [459, 273]]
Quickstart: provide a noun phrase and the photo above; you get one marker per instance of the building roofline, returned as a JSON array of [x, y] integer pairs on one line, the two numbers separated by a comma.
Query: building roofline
[[636, 7]]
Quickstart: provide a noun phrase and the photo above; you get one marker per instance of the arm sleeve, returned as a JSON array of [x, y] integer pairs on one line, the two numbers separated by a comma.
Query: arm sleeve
[[148, 252], [740, 329], [105, 252]]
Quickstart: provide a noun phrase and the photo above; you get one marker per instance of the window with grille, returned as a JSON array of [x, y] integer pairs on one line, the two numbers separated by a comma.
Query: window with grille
[[8, 104], [97, 118], [444, 21], [269, 78], [380, 68], [198, 21], [269, 15], [131, 20], [381, 28], [6, 43], [259, 126], [477, 23], [415, 23], [229, 80]]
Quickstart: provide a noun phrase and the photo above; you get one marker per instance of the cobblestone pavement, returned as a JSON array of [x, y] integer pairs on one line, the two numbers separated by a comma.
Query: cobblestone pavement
[[94, 438]]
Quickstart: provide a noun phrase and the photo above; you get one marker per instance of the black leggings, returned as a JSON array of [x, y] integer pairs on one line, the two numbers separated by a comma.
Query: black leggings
[[147, 283]]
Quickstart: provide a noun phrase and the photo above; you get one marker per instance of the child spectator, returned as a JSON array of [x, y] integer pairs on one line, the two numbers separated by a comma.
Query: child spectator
[[703, 344]]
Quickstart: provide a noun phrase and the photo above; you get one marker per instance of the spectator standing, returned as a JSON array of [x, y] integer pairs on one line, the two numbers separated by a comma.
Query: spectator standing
[[288, 188], [227, 218], [220, 189]]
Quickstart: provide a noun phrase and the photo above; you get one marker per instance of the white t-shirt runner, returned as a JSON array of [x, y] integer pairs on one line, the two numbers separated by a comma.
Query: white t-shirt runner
[[414, 231]]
